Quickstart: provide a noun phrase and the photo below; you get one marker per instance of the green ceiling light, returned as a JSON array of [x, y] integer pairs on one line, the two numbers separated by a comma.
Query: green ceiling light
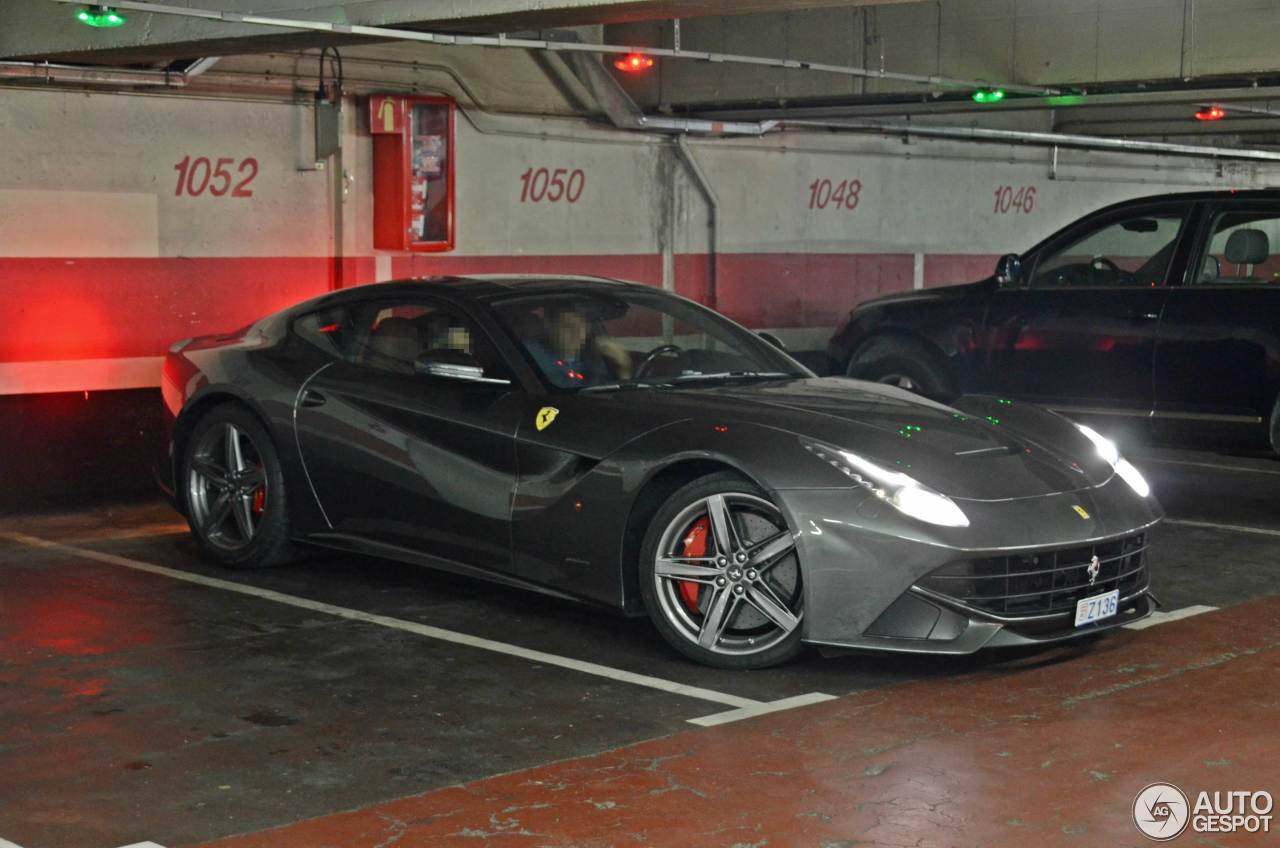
[[104, 17], [988, 95]]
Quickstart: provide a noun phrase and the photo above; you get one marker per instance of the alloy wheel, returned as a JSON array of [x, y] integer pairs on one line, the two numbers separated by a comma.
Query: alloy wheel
[[227, 487], [727, 575], [902, 381]]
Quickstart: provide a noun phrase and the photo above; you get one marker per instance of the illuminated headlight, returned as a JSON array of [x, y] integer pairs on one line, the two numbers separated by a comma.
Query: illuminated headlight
[[1111, 455], [905, 494]]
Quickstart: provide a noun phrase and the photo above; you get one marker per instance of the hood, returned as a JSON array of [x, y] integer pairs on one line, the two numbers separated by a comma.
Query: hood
[[979, 449]]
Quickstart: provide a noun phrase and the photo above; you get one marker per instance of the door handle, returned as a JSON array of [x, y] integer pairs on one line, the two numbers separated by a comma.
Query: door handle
[[311, 397], [1144, 316]]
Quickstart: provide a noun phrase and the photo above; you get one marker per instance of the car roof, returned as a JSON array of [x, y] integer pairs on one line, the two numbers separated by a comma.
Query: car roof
[[489, 286], [1216, 194]]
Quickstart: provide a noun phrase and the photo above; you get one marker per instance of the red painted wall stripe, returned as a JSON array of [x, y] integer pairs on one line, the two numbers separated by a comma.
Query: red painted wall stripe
[[96, 308]]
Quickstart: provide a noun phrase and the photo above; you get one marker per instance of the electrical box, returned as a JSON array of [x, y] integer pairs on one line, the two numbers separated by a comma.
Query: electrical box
[[413, 183]]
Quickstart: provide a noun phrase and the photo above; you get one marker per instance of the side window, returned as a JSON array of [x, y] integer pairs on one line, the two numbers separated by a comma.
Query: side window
[[1133, 251], [392, 336], [1239, 252]]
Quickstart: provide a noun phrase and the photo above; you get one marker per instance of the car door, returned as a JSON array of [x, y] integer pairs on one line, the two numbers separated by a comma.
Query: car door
[[1079, 332], [1217, 361], [402, 457]]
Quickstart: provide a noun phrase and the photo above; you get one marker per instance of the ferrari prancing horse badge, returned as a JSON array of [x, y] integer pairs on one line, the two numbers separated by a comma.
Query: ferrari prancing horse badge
[[545, 416]]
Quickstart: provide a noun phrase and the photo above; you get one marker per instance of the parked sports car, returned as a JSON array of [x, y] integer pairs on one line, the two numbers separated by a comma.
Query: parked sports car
[[615, 444], [1162, 312]]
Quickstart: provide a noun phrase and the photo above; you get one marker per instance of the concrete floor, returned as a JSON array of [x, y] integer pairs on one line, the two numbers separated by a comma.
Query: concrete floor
[[145, 695]]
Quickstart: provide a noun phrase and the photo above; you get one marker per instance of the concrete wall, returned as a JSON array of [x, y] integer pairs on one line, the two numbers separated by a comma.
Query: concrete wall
[[103, 263]]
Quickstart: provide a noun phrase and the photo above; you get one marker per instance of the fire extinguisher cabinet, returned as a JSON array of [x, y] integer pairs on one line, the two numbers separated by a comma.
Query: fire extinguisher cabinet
[[413, 182]]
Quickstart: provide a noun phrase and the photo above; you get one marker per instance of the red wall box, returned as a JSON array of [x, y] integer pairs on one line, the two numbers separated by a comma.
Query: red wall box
[[413, 172]]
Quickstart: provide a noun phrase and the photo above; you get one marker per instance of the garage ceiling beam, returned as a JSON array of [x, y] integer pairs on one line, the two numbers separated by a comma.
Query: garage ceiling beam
[[502, 41], [39, 30]]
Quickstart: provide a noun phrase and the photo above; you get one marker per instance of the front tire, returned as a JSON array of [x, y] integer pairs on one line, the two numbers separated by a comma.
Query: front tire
[[233, 490], [720, 575], [901, 364]]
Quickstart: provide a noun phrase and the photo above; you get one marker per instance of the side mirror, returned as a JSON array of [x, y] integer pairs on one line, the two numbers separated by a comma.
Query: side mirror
[[1009, 270], [449, 364], [772, 339]]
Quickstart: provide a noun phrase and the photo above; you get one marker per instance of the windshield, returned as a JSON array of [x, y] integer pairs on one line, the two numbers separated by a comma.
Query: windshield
[[634, 338]]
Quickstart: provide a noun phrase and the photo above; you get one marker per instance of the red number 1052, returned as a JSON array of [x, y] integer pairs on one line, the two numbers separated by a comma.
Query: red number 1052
[[195, 176]]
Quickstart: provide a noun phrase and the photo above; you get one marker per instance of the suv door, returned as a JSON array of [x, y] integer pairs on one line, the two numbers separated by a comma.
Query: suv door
[[1079, 333], [398, 456], [1218, 355]]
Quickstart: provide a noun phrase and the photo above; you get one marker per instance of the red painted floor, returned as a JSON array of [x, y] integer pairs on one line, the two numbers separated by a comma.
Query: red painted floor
[[1050, 754]]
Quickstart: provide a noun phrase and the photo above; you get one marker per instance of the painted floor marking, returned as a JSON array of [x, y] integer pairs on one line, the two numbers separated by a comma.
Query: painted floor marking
[[762, 709], [4, 843], [738, 703], [1172, 615], [1214, 465], [1235, 528]]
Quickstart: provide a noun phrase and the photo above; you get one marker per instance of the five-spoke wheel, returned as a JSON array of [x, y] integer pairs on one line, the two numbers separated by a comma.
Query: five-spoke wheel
[[234, 489], [721, 578], [227, 487]]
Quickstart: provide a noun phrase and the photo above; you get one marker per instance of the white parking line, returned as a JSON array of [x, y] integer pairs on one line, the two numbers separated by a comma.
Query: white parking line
[[762, 709], [1213, 465], [738, 703], [4, 843], [1165, 617], [1235, 528]]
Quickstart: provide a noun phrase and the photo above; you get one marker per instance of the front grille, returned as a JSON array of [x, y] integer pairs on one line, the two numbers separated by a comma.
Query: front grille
[[1043, 582]]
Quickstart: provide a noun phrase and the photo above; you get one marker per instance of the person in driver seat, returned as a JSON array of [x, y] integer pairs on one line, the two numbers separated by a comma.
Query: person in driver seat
[[574, 355]]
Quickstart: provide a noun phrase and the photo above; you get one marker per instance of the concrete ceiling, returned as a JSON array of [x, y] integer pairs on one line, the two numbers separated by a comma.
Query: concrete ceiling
[[39, 29]]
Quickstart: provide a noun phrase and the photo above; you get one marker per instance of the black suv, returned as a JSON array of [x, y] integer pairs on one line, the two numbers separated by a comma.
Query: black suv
[[1162, 310]]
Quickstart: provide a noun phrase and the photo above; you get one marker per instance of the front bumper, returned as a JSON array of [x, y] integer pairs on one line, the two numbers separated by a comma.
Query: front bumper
[[922, 623], [863, 569]]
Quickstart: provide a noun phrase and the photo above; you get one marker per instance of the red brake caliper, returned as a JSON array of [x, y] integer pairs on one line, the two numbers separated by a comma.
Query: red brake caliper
[[695, 545], [259, 500]]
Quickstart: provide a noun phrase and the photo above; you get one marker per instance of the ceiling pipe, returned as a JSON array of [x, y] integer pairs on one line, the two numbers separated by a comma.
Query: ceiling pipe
[[886, 109], [502, 41], [96, 75], [981, 134]]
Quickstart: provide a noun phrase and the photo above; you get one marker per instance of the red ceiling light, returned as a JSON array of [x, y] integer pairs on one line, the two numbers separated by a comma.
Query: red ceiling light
[[634, 63], [1211, 113]]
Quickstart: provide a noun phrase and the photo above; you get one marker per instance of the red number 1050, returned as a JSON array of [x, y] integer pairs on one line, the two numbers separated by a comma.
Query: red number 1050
[[539, 184], [194, 177]]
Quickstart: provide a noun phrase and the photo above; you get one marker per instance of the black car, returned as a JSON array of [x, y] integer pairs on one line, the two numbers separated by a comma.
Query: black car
[[616, 444], [1162, 311]]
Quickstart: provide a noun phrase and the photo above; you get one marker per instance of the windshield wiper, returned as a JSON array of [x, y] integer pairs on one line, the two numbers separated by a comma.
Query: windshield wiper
[[734, 375], [622, 387]]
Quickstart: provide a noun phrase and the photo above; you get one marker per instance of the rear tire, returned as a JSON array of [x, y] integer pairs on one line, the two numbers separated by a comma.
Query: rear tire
[[904, 365], [1275, 428], [232, 490], [720, 575]]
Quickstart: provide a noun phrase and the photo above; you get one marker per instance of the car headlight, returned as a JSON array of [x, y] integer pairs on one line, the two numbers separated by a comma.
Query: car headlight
[[905, 494], [1111, 455]]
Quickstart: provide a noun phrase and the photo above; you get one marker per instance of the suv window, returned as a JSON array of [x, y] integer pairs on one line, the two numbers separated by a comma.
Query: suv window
[[1240, 248], [390, 336], [1133, 251]]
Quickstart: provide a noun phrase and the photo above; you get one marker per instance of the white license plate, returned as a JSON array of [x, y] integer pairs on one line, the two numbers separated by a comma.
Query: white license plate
[[1097, 608]]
